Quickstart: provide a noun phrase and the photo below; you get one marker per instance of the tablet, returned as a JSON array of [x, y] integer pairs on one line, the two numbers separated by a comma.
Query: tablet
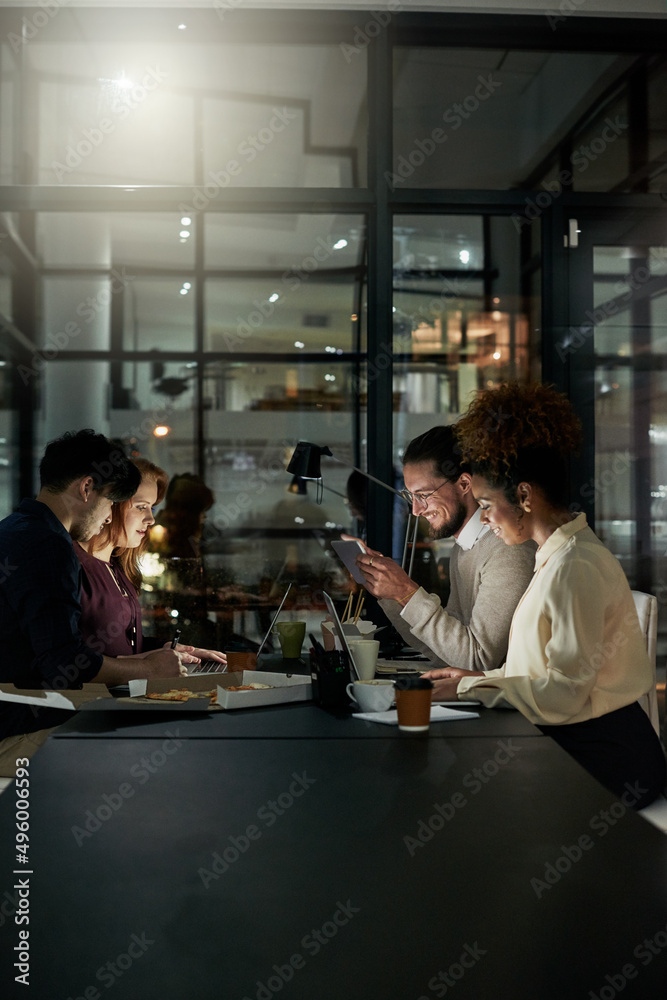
[[347, 552]]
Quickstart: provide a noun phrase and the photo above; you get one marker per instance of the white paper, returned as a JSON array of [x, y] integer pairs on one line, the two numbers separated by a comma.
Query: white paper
[[51, 699], [438, 714]]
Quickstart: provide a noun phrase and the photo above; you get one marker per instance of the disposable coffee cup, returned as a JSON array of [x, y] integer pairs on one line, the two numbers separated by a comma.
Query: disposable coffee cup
[[240, 660], [413, 703], [372, 696], [365, 655], [291, 636]]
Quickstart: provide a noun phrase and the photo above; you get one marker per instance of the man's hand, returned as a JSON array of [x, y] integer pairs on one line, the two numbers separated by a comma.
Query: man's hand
[[385, 578], [446, 681], [162, 663]]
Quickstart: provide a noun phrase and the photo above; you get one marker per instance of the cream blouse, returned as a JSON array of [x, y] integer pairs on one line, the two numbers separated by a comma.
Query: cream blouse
[[576, 650]]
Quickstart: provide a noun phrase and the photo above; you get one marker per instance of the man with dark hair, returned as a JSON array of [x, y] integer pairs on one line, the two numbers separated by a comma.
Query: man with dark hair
[[487, 577], [81, 476]]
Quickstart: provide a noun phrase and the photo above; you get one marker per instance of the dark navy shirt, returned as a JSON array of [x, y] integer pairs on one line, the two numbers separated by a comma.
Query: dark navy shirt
[[40, 645]]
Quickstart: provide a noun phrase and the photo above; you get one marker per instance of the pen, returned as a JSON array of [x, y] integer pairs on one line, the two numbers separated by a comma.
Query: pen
[[177, 636]]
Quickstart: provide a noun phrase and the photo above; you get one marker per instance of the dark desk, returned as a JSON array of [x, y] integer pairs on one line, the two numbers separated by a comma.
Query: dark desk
[[300, 720], [249, 868]]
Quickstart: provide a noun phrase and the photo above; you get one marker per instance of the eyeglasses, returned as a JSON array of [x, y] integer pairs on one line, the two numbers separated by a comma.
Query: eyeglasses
[[421, 499]]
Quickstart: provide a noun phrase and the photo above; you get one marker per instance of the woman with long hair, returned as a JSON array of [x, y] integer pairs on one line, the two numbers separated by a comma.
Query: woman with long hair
[[110, 579], [577, 661]]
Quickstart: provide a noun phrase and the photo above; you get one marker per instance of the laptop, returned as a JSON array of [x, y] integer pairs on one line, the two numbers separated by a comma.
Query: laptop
[[213, 667], [338, 629]]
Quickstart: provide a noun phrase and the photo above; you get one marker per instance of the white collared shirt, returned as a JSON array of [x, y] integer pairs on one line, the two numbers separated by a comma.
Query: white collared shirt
[[472, 531]]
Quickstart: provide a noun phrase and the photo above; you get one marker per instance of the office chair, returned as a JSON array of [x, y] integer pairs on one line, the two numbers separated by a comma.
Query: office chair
[[647, 610]]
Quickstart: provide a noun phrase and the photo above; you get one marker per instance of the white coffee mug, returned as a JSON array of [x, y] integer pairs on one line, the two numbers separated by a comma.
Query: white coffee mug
[[365, 655], [372, 696]]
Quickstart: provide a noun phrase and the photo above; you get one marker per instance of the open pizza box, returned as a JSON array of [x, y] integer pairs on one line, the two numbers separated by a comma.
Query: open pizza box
[[280, 689], [68, 699]]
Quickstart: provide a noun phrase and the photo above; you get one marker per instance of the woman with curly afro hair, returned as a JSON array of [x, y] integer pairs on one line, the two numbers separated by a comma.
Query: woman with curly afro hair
[[576, 661]]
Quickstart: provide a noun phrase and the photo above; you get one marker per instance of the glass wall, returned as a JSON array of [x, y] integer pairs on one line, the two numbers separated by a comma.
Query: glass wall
[[224, 231]]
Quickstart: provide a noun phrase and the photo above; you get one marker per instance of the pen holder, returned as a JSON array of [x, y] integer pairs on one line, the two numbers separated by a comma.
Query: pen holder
[[330, 674]]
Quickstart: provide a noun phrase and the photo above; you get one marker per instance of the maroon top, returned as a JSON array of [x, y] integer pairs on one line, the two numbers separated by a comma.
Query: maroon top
[[110, 614]]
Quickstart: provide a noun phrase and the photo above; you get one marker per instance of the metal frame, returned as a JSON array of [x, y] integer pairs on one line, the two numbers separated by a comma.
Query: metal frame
[[527, 32]]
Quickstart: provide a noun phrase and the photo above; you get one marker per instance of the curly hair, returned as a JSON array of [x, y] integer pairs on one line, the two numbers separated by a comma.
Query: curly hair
[[521, 433]]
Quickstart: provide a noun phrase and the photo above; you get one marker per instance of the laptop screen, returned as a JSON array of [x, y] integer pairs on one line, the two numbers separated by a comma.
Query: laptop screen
[[339, 632]]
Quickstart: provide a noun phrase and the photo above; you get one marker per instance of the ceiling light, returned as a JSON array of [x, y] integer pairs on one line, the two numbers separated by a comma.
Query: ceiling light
[[274, 297], [340, 244], [186, 284], [184, 233], [161, 430], [299, 343], [496, 355], [464, 256], [186, 220]]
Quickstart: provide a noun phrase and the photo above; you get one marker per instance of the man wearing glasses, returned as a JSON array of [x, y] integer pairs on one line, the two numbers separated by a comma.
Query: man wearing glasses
[[487, 577]]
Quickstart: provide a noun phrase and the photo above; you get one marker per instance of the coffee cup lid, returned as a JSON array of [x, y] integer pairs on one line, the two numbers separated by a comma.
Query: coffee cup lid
[[412, 683]]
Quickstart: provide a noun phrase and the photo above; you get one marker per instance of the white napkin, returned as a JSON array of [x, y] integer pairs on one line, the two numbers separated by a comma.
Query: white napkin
[[438, 714]]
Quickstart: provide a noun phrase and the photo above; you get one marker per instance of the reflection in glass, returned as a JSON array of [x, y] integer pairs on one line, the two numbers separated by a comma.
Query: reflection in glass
[[458, 112], [284, 283], [457, 302]]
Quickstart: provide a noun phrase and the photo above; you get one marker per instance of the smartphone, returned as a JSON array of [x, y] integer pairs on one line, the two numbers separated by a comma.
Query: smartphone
[[347, 552]]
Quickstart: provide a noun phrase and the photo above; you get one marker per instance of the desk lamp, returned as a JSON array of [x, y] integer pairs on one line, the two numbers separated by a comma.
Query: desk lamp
[[305, 463]]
